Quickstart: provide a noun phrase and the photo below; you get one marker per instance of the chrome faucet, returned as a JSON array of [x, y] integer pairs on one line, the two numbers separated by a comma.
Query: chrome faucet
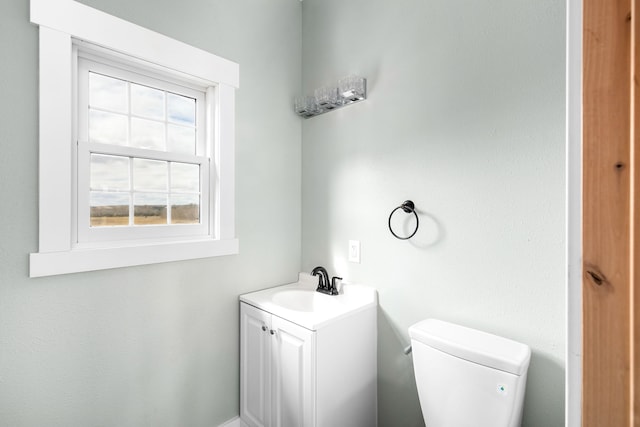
[[324, 285]]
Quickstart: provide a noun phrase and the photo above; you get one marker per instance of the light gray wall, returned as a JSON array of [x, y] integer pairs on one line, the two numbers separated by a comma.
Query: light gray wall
[[465, 117], [154, 345]]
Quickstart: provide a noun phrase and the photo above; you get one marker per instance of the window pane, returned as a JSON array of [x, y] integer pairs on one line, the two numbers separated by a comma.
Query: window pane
[[185, 177], [107, 128], [109, 173], [108, 209], [150, 175], [150, 208], [107, 93], [185, 209], [181, 139], [147, 102], [147, 134], [142, 137], [181, 109]]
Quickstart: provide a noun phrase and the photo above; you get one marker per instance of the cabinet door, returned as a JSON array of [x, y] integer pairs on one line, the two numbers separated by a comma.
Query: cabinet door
[[293, 373], [255, 356]]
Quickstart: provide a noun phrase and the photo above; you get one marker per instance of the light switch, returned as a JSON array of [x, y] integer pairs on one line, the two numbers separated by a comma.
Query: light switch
[[354, 251]]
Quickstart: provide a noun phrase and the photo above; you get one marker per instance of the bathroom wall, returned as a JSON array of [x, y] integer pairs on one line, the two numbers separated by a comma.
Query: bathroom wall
[[465, 116], [154, 345]]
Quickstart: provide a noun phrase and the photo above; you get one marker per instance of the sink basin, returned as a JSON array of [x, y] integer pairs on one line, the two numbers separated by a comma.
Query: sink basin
[[300, 303], [304, 300]]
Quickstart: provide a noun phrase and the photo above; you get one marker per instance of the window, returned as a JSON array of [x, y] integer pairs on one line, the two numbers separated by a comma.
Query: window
[[136, 150], [143, 157]]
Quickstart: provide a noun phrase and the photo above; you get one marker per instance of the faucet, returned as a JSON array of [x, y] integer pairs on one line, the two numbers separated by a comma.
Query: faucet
[[323, 278], [324, 285]]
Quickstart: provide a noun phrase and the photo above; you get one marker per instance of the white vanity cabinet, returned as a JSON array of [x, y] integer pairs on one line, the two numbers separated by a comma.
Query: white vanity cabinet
[[276, 375], [313, 368]]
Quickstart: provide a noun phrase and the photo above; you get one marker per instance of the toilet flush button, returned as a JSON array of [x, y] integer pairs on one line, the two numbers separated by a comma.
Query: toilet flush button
[[501, 389]]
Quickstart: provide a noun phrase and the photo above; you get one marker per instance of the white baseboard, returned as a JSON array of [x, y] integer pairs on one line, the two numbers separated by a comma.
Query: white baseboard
[[233, 422]]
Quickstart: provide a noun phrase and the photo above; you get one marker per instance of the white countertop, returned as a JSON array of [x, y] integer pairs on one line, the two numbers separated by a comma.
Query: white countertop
[[300, 303]]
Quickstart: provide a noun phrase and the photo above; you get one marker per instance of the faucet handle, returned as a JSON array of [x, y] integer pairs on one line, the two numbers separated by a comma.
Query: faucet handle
[[334, 285]]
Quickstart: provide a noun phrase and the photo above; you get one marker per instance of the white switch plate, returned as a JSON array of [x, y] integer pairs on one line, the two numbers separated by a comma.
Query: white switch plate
[[354, 251]]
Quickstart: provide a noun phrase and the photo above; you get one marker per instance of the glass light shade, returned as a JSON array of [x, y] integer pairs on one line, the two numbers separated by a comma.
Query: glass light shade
[[352, 88], [327, 98], [300, 105], [306, 106]]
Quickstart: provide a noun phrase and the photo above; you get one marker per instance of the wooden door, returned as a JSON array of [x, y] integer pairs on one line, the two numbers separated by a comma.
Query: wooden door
[[609, 236]]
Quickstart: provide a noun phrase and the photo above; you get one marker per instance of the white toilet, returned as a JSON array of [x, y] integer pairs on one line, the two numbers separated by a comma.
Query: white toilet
[[468, 378]]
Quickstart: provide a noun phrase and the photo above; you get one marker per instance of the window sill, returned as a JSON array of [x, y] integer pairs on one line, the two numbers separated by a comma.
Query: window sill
[[79, 260]]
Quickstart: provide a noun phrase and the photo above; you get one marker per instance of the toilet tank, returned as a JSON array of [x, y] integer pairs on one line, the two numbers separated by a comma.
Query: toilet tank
[[468, 378]]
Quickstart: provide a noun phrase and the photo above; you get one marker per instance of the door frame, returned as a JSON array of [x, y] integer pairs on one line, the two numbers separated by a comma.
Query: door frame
[[573, 371], [601, 328]]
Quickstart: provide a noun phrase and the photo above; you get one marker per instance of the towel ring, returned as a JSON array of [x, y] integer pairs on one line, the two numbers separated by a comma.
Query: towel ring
[[408, 207]]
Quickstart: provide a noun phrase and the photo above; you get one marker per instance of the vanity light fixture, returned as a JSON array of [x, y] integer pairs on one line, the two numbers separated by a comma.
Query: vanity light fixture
[[350, 89]]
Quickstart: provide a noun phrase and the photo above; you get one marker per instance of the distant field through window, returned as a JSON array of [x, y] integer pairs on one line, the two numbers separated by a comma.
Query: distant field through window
[[162, 192]]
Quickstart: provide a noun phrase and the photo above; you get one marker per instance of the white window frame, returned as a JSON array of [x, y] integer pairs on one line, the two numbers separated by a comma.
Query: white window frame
[[61, 22], [87, 236]]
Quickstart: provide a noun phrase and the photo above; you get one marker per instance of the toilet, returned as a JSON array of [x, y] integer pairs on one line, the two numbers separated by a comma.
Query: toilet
[[468, 378]]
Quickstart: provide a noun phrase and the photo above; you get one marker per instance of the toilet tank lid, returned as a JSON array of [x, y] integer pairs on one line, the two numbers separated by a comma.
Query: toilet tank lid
[[473, 345]]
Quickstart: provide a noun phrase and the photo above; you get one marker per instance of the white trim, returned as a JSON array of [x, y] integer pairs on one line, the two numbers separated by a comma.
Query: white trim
[[573, 372], [53, 263], [55, 125], [88, 24], [212, 107], [234, 422], [63, 21], [225, 162]]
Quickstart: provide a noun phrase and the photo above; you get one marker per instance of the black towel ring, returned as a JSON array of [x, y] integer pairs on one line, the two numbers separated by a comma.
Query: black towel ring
[[408, 207]]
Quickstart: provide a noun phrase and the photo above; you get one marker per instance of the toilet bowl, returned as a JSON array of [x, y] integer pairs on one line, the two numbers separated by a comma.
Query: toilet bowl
[[468, 378]]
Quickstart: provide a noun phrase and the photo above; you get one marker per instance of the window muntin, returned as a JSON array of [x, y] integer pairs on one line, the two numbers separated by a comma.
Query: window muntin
[[143, 169]]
